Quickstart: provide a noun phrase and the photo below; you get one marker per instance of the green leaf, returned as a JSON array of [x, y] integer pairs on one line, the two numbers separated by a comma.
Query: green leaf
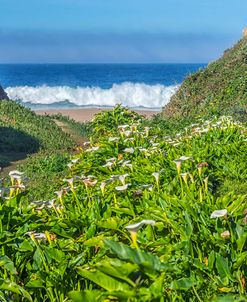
[[223, 269], [95, 241], [141, 258], [117, 269], [54, 254], [240, 259], [85, 296], [110, 223], [188, 225], [211, 259], [103, 280], [183, 283], [8, 264], [14, 288]]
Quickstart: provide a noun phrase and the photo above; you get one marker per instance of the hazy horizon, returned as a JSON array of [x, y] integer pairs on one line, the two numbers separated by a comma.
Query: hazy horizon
[[86, 32]]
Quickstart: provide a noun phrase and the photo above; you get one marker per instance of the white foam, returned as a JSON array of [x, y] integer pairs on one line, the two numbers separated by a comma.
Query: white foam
[[128, 94]]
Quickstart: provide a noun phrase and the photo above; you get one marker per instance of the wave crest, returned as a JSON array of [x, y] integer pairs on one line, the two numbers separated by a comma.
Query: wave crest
[[128, 94]]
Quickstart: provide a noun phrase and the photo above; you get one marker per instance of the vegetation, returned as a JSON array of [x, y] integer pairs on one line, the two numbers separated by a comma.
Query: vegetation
[[219, 89], [144, 214], [21, 130]]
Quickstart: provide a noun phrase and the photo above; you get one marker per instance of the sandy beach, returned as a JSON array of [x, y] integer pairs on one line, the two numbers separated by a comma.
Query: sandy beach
[[83, 115]]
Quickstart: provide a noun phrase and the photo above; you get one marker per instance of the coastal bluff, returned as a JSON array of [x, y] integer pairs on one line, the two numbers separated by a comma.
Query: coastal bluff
[[220, 88], [3, 94]]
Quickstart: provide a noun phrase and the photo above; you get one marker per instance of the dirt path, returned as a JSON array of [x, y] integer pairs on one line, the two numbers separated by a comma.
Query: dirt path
[[78, 139]]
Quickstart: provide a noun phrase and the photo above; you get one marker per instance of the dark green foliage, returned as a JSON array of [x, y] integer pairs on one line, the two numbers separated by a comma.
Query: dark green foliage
[[45, 171], [24, 131], [221, 88], [107, 121]]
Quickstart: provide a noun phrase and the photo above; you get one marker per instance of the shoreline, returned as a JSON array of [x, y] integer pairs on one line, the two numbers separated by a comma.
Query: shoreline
[[86, 114]]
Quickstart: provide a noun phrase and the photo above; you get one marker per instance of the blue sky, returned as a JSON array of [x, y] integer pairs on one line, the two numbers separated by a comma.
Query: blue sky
[[115, 31]]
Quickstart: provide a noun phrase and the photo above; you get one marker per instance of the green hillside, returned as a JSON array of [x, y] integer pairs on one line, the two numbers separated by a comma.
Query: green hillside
[[221, 88], [22, 132]]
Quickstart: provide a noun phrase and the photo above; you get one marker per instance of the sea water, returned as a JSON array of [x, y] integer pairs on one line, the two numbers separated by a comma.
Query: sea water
[[147, 86]]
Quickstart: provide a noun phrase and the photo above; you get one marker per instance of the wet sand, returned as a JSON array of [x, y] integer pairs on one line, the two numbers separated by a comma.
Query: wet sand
[[86, 114]]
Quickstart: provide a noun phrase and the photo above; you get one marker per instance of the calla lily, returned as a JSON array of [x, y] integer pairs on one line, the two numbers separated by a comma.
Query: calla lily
[[122, 188], [59, 193], [125, 163], [92, 149], [184, 158], [102, 187], [219, 213], [33, 235], [89, 182], [178, 163], [112, 159], [185, 176], [148, 187], [122, 178], [15, 172], [70, 181], [133, 229], [123, 127], [127, 133], [74, 161], [156, 175], [108, 165], [129, 150], [113, 139]]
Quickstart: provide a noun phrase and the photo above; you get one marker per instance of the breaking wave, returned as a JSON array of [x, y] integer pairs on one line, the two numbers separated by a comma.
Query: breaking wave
[[128, 94]]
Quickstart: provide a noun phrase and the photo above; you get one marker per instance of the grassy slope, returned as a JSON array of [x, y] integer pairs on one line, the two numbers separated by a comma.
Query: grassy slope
[[29, 132], [36, 145], [219, 89]]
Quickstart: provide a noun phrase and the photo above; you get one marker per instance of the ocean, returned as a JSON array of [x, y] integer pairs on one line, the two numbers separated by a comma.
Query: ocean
[[44, 86]]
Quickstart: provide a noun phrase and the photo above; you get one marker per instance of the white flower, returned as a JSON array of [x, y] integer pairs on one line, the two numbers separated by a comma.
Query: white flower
[[95, 148], [183, 158], [74, 161], [108, 165], [59, 193], [102, 186], [135, 227], [148, 187], [127, 133], [219, 213], [36, 235], [69, 181], [129, 150], [156, 175], [111, 159], [15, 172], [92, 149], [122, 188], [123, 126], [18, 186], [113, 139], [122, 178], [126, 162], [70, 165]]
